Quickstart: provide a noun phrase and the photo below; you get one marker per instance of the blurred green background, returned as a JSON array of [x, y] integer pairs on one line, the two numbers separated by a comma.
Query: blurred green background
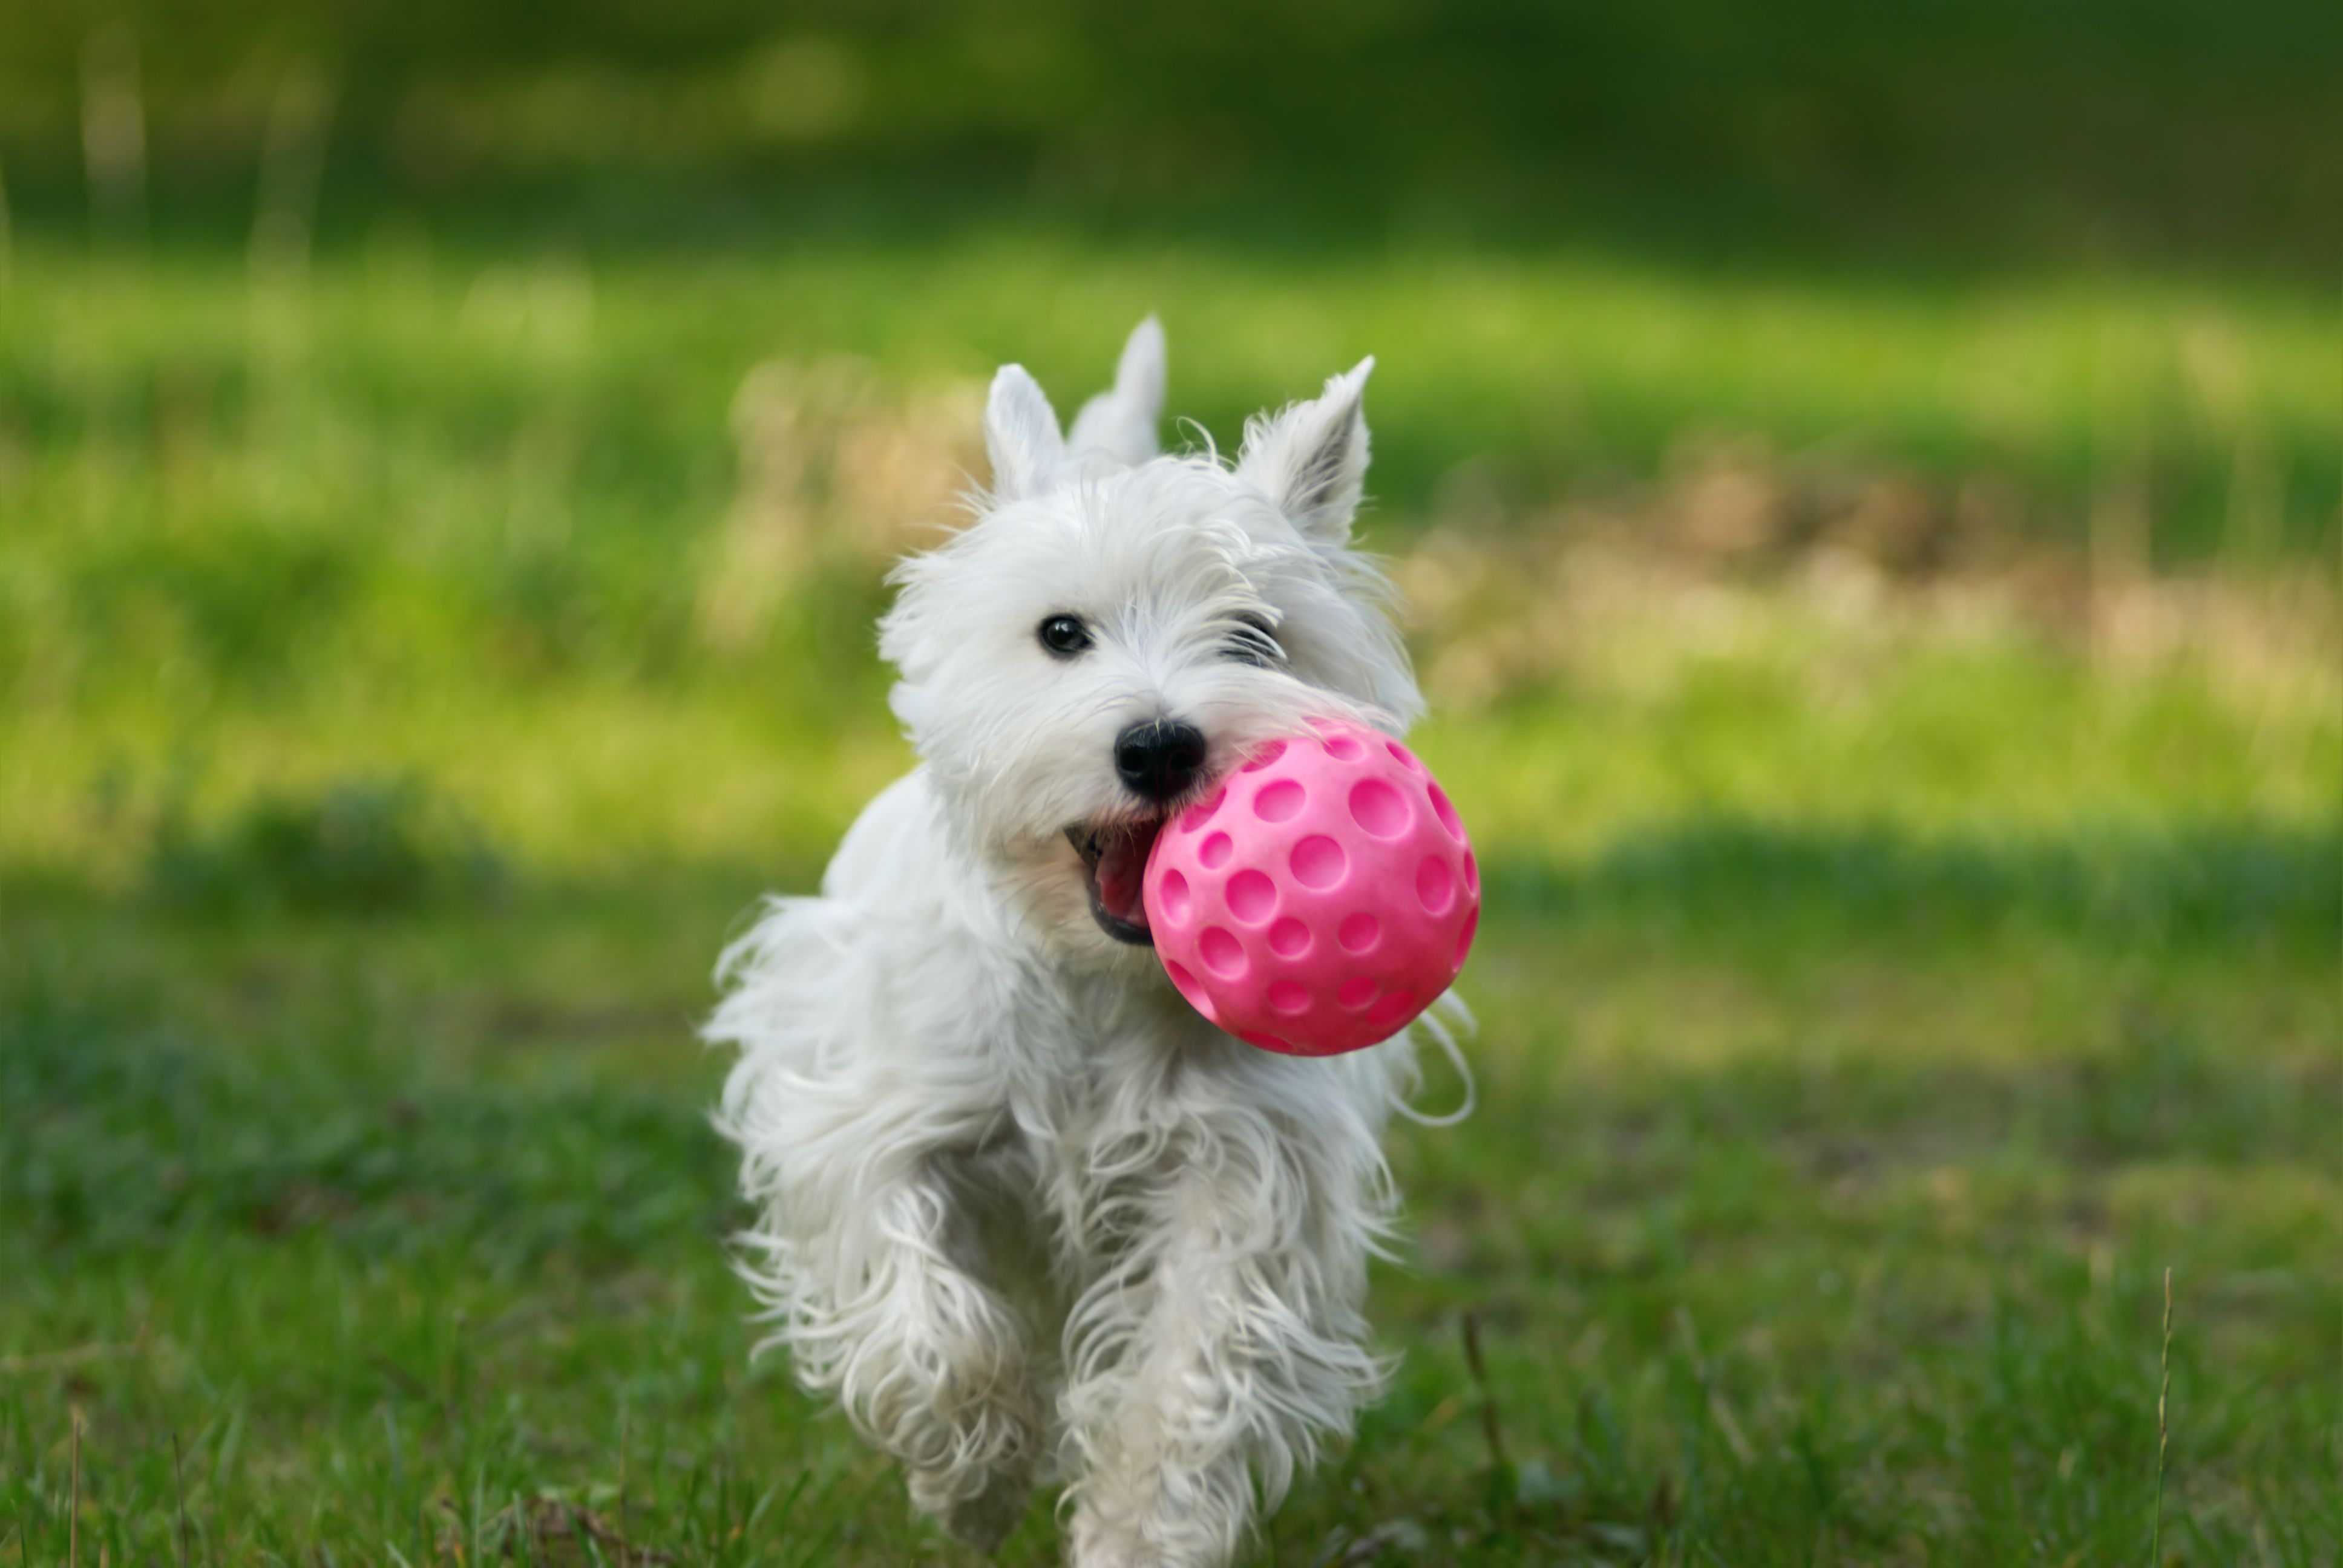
[[1868, 485]]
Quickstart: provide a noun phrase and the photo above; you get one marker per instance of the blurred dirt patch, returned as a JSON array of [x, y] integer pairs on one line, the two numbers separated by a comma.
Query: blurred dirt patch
[[1740, 551], [545, 1529], [838, 468]]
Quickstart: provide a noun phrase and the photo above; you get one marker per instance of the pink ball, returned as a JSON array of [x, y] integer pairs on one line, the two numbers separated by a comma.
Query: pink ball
[[1321, 899]]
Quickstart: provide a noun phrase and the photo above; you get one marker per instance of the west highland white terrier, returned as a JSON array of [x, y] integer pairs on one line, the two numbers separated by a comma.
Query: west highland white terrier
[[1023, 1212]]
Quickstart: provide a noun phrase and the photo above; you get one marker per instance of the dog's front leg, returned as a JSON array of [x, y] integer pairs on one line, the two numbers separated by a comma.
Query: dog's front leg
[[1223, 1346], [883, 1307]]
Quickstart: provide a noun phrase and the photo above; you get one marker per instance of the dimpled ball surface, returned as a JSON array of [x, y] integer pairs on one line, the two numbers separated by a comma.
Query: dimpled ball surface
[[1321, 899]]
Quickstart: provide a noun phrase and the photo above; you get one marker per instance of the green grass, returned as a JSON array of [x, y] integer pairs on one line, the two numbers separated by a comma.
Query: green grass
[[1815, 1211], [538, 432], [1878, 996]]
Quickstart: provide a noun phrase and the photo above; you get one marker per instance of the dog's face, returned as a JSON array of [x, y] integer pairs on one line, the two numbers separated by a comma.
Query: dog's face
[[1117, 629]]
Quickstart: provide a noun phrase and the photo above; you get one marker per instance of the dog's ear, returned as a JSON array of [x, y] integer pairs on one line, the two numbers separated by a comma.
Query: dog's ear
[[1311, 459], [1120, 426], [1021, 435]]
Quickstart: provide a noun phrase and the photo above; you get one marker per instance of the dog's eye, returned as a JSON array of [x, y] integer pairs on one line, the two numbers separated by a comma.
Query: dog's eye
[[1065, 635], [1253, 644]]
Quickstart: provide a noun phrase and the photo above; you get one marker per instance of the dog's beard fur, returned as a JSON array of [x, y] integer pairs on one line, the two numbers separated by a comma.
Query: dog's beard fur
[[974, 1114]]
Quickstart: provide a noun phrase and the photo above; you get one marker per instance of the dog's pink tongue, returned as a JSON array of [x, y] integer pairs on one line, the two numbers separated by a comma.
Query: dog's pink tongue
[[1121, 871]]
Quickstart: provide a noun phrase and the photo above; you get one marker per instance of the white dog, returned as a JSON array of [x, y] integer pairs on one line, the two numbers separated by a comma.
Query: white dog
[[1024, 1213]]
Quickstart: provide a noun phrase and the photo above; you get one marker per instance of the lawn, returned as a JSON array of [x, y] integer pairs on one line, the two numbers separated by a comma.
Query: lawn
[[1890, 970]]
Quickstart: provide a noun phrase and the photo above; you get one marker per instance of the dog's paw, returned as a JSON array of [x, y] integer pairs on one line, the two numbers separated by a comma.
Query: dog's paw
[[1097, 1542]]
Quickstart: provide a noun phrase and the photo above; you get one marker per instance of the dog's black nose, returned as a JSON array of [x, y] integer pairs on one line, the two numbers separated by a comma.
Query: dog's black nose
[[1160, 757]]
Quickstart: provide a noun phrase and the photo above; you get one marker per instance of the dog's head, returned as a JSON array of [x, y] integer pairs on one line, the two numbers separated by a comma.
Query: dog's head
[[1117, 628]]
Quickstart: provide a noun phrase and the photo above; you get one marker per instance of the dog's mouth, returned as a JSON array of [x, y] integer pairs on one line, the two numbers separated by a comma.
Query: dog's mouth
[[1114, 865]]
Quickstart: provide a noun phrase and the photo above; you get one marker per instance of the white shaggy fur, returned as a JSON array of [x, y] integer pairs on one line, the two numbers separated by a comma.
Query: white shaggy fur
[[1023, 1212]]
